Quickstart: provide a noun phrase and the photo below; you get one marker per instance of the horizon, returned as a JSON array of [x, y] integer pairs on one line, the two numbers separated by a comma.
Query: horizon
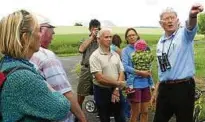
[[112, 26], [124, 13]]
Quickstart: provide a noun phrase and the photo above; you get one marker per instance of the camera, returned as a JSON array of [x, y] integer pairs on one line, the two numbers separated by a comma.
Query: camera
[[96, 32], [164, 62]]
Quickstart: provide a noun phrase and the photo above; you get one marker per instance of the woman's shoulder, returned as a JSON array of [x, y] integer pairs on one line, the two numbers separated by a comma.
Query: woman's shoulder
[[17, 64], [19, 71], [125, 49]]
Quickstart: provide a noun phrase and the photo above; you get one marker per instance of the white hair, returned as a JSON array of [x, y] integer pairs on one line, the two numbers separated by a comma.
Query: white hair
[[167, 10], [99, 34]]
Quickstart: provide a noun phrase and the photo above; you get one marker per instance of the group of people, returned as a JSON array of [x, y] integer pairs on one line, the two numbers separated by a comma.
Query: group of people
[[43, 92], [107, 67]]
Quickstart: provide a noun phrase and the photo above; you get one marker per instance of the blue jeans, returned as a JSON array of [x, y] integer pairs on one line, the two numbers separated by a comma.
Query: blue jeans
[[127, 108]]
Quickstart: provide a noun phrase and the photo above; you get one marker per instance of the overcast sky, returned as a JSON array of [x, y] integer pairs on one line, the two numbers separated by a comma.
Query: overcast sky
[[120, 12]]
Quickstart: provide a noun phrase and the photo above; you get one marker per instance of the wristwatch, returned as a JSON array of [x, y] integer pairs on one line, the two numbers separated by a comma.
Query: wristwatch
[[117, 88]]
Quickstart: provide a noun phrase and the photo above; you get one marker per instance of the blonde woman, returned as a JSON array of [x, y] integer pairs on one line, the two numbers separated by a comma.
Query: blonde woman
[[24, 95]]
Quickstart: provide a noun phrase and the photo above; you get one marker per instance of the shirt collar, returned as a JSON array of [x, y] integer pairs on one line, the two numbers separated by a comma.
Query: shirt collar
[[131, 46], [164, 38], [102, 52]]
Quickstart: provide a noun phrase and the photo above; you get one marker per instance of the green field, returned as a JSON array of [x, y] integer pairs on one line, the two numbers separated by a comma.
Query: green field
[[61, 30], [67, 44], [67, 40]]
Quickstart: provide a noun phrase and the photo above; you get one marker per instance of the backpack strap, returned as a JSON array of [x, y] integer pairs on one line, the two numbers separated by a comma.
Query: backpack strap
[[7, 72], [3, 79], [13, 69]]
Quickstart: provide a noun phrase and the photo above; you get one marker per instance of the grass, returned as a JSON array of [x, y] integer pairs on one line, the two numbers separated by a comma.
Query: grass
[[199, 59], [66, 44], [63, 30]]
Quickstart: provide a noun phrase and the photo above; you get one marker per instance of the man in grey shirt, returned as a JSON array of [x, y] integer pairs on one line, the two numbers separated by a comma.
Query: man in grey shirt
[[85, 85]]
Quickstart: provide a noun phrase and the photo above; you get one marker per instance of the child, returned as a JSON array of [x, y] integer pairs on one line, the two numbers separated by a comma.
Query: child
[[141, 59], [115, 46]]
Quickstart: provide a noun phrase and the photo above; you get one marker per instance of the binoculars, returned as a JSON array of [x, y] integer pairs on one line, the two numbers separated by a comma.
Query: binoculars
[[164, 62]]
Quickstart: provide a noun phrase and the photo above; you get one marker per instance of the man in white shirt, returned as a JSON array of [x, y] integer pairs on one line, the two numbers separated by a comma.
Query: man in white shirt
[[52, 70]]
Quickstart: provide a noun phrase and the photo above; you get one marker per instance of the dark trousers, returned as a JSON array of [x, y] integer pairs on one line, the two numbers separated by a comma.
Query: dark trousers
[[105, 107], [175, 99]]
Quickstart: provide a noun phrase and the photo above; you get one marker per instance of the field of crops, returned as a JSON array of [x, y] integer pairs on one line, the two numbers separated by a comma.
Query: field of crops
[[67, 38], [120, 30]]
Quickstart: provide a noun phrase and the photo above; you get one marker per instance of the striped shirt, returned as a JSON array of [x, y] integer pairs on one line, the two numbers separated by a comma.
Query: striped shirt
[[50, 67]]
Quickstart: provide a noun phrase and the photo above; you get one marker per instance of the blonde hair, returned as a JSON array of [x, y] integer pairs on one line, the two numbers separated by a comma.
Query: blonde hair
[[12, 29], [167, 10]]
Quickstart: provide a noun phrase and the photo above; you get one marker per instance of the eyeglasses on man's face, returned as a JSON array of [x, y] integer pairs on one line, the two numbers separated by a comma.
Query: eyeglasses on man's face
[[46, 26], [169, 18]]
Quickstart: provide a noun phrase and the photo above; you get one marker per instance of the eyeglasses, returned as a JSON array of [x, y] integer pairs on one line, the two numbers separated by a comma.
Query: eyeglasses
[[46, 26], [172, 18], [49, 26], [131, 35]]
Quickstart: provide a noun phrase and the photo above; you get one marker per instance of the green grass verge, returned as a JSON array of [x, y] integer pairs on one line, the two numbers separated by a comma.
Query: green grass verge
[[69, 43]]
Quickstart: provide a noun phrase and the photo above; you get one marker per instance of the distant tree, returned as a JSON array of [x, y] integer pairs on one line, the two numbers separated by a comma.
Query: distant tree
[[201, 23], [78, 24]]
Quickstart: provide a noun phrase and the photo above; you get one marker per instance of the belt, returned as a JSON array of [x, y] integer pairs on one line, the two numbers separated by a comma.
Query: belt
[[177, 81]]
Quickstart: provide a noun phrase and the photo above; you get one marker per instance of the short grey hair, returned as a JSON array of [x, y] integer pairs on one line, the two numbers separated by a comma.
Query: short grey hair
[[99, 34], [167, 10]]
